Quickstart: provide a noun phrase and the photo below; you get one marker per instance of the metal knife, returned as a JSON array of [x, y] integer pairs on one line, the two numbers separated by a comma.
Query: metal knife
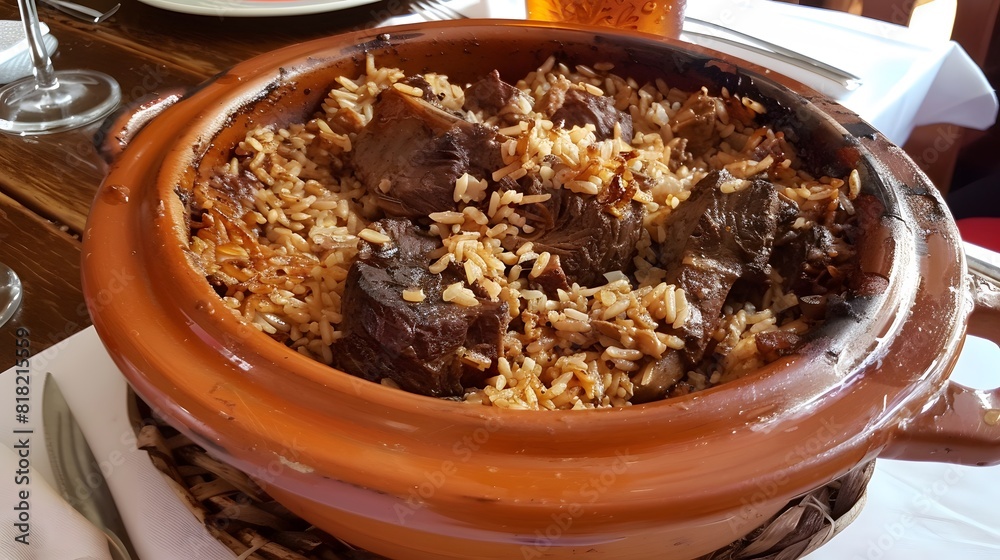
[[765, 48], [78, 473], [79, 11]]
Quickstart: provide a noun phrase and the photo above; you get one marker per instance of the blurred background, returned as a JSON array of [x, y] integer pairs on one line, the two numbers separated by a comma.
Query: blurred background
[[963, 163]]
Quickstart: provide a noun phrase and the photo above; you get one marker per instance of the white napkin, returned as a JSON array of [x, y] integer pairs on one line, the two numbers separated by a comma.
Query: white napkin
[[949, 101], [37, 523], [15, 62], [159, 525]]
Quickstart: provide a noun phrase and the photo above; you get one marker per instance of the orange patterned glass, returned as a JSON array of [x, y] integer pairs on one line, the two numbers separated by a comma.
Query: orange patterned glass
[[661, 18]]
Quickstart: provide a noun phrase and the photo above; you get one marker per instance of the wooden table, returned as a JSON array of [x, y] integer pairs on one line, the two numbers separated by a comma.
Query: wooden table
[[47, 183]]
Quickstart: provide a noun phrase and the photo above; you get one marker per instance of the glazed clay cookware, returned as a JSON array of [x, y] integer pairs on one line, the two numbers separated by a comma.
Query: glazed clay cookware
[[411, 477]]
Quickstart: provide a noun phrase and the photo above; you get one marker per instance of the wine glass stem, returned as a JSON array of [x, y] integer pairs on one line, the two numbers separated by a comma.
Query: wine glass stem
[[44, 73]]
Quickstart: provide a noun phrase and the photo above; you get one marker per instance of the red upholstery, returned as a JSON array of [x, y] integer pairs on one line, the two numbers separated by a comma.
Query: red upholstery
[[984, 232]]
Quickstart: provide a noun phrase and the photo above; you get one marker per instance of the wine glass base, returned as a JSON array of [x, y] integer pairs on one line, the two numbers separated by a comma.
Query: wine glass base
[[78, 98], [10, 293]]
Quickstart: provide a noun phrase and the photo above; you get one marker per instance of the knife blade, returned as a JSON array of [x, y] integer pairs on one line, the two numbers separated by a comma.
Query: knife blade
[[77, 472], [86, 13], [757, 45]]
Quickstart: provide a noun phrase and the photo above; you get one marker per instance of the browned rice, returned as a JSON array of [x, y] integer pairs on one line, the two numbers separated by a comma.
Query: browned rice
[[285, 257]]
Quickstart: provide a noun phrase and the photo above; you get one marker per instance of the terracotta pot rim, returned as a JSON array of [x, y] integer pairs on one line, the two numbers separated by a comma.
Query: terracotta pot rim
[[838, 380], [247, 87]]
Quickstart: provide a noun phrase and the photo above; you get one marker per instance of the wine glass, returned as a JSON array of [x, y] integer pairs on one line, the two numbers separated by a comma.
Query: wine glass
[[10, 293], [51, 101]]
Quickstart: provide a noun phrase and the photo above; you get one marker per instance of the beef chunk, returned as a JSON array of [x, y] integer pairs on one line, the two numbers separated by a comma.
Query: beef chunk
[[493, 97], [654, 384], [421, 83], [803, 259], [346, 121], [425, 346], [714, 240], [590, 235], [577, 107], [695, 122], [412, 152], [775, 344], [553, 277]]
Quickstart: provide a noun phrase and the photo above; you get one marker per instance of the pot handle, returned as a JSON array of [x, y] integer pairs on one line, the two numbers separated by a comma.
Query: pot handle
[[963, 424], [985, 266], [119, 128]]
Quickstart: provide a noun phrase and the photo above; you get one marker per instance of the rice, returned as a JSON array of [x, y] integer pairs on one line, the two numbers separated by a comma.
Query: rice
[[279, 256]]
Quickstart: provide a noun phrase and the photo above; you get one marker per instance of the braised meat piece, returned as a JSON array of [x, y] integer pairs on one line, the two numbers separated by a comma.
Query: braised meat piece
[[818, 262], [346, 121], [654, 384], [421, 83], [494, 97], [412, 152], [552, 278], [431, 347], [573, 106], [695, 122], [803, 258], [589, 235], [715, 239], [775, 344]]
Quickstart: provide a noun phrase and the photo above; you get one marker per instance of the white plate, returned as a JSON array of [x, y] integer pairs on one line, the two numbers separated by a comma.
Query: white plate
[[255, 8], [15, 61]]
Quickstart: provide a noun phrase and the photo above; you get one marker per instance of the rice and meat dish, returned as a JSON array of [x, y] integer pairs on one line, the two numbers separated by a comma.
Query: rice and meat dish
[[573, 239]]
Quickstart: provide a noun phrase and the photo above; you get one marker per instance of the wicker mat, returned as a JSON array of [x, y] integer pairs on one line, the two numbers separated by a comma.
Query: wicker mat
[[255, 527]]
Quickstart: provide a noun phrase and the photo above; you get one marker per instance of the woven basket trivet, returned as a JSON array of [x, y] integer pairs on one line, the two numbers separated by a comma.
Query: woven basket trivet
[[255, 527]]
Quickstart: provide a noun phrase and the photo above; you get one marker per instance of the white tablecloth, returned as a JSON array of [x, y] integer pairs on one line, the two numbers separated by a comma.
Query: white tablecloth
[[908, 79], [915, 511]]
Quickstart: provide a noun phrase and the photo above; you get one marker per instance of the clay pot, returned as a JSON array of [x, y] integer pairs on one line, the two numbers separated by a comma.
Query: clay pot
[[412, 477]]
